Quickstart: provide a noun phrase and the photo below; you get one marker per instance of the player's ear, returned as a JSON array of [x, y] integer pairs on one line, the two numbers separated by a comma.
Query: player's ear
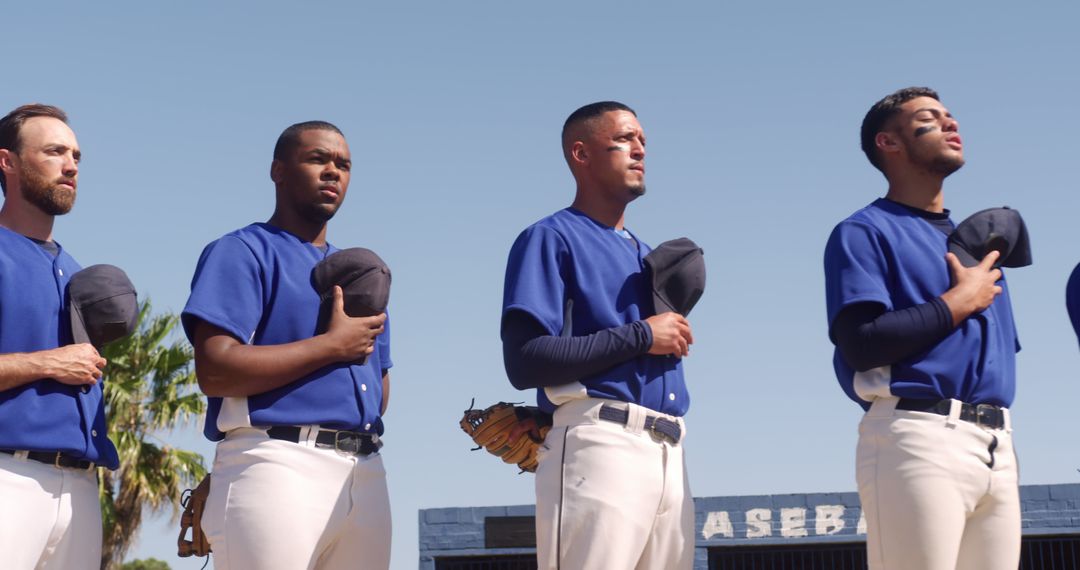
[[276, 171], [578, 152], [7, 161], [887, 141]]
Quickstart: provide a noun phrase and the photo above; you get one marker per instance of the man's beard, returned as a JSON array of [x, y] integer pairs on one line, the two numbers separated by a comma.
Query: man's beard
[[637, 190], [47, 194]]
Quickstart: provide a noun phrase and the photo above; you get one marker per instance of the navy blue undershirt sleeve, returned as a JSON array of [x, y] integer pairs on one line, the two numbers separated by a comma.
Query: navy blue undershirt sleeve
[[868, 336], [535, 359]]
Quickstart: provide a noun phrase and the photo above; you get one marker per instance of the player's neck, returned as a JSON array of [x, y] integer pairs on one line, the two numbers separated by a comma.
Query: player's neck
[[311, 232], [607, 213], [26, 219], [918, 190]]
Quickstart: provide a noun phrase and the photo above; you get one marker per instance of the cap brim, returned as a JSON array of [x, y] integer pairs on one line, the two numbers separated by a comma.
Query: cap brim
[[78, 327]]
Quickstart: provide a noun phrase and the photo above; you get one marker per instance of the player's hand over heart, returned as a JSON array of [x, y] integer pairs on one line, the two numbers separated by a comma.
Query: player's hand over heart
[[671, 334], [354, 337], [974, 288]]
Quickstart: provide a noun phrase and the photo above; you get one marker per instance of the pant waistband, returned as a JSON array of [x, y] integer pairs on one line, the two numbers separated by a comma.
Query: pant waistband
[[57, 459], [986, 415], [350, 442], [659, 425], [635, 418]]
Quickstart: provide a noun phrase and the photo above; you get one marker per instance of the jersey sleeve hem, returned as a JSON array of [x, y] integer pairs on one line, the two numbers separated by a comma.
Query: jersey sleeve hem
[[887, 303], [551, 330], [189, 316]]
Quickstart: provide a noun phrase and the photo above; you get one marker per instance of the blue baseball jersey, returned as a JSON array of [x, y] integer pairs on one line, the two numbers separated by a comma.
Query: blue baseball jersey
[[255, 283], [1072, 299], [576, 276], [45, 415], [886, 254]]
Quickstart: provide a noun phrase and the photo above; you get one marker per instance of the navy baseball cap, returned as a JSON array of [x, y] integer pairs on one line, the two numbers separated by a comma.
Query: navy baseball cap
[[364, 280], [1000, 229], [102, 304], [677, 269]]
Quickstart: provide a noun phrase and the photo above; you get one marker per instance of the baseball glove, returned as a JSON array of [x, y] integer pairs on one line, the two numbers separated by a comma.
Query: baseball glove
[[513, 433], [194, 502]]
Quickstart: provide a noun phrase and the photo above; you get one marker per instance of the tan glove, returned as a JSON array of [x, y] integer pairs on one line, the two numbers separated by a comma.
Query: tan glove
[[194, 503], [512, 433]]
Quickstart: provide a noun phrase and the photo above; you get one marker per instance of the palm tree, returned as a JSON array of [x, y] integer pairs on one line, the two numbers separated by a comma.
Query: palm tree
[[150, 388]]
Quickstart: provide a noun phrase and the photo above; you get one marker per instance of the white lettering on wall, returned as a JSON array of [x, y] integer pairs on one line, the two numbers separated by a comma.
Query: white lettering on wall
[[828, 519], [717, 523], [793, 522], [758, 523]]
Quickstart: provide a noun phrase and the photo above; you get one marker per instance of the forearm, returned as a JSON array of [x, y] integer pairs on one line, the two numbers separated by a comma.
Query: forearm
[[385, 392], [227, 368], [869, 337], [534, 359], [19, 368]]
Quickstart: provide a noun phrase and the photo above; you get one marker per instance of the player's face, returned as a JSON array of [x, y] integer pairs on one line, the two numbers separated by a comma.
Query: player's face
[[47, 165], [930, 136], [316, 175], [617, 153]]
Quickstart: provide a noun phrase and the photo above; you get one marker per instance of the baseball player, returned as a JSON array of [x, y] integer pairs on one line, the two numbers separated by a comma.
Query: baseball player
[[1072, 299], [578, 325], [927, 346], [297, 479], [52, 417]]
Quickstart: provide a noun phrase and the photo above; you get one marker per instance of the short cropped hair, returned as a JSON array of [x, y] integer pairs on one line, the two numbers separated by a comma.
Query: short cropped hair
[[586, 114], [881, 112], [11, 125], [290, 137]]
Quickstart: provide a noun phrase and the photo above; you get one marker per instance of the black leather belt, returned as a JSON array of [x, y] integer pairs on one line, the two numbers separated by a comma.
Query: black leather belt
[[55, 458], [657, 424], [987, 415], [351, 442]]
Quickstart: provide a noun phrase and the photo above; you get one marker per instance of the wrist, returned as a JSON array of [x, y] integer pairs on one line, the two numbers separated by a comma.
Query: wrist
[[958, 307], [644, 336]]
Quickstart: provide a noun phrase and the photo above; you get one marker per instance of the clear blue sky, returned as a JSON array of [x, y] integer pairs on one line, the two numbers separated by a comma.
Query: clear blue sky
[[452, 111]]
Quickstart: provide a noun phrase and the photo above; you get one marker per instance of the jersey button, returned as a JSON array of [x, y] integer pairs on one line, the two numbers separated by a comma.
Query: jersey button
[[671, 396], [61, 272], [363, 387], [85, 389], [93, 432], [367, 427]]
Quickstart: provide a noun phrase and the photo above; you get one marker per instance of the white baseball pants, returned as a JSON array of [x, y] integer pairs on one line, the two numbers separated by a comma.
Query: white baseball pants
[[938, 493], [611, 497], [50, 517], [278, 505]]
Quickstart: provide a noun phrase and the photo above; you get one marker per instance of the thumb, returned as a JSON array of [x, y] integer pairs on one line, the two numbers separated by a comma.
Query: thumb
[[954, 262], [339, 300]]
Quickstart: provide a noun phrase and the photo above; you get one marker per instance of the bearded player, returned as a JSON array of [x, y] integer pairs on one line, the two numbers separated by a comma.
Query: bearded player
[[52, 415]]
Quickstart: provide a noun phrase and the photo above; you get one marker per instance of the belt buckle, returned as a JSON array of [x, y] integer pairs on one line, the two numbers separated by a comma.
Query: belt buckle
[[348, 437], [59, 456], [992, 414], [652, 429]]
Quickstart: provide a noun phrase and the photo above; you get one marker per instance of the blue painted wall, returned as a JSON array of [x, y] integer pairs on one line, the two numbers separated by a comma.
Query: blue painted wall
[[763, 519]]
